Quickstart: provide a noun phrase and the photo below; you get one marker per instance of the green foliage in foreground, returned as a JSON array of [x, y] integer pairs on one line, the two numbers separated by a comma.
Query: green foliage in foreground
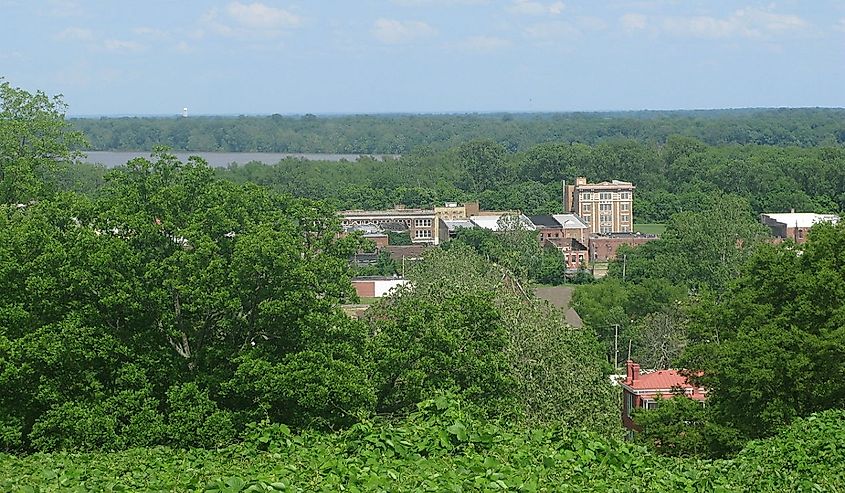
[[442, 448]]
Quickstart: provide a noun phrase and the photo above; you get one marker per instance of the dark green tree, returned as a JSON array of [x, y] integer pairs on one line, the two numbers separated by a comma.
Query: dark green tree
[[771, 350]]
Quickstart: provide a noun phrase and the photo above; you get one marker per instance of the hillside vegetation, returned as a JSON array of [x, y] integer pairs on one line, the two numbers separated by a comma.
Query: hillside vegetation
[[442, 448]]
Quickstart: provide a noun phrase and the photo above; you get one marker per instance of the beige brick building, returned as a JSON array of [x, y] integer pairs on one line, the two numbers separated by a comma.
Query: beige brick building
[[608, 206]]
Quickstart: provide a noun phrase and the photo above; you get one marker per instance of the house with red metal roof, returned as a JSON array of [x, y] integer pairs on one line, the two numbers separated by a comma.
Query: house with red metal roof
[[640, 390]]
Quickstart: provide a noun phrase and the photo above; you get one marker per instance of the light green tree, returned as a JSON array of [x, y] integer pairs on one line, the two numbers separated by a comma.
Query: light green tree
[[35, 139]]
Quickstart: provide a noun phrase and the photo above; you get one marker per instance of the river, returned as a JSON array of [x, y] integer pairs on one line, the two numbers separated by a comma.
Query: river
[[112, 159]]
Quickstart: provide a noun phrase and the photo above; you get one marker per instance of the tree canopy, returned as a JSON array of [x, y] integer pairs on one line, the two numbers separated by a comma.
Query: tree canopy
[[35, 139]]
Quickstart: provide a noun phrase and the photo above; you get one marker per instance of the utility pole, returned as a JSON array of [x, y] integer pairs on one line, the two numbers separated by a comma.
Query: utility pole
[[615, 347], [624, 265], [563, 195]]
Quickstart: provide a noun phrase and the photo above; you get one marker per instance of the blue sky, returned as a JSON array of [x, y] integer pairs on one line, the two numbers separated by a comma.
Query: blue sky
[[368, 56]]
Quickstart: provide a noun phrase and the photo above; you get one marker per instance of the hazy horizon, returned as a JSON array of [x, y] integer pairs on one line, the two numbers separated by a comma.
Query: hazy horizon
[[457, 113]]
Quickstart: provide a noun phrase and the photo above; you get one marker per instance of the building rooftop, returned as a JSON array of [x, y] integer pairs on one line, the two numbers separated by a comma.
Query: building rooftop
[[607, 184], [569, 244], [623, 236], [377, 278], [659, 382], [388, 213], [571, 221], [491, 221], [546, 220], [364, 228], [453, 224], [409, 252], [802, 219]]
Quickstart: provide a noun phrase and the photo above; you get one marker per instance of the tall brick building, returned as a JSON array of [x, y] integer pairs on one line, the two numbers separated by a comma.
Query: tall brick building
[[606, 206]]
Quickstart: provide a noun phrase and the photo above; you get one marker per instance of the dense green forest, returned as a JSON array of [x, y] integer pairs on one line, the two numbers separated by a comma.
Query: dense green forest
[[163, 327], [400, 134], [673, 177], [674, 170]]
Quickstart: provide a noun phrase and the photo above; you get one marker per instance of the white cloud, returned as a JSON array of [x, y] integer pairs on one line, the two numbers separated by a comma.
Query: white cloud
[[747, 22], [392, 31], [121, 46], [446, 3], [531, 7], [183, 47], [61, 8], [484, 43], [589, 23], [260, 16], [75, 34], [11, 55], [633, 22], [551, 31], [151, 33], [247, 20], [554, 31]]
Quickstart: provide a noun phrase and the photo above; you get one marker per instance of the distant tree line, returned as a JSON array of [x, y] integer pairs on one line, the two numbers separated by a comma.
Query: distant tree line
[[676, 176], [400, 134]]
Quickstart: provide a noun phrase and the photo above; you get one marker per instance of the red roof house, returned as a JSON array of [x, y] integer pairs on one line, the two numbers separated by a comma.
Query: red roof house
[[641, 390]]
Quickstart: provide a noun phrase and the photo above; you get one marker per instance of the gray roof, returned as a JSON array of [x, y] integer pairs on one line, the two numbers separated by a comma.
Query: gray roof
[[492, 221], [454, 224], [545, 220], [571, 221]]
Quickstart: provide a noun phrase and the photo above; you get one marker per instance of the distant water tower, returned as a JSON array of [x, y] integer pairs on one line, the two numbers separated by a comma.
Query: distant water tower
[[185, 112]]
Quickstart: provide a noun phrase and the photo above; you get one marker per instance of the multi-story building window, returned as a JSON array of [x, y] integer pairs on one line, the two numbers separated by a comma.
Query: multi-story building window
[[625, 218], [422, 222], [422, 233], [608, 198], [606, 229]]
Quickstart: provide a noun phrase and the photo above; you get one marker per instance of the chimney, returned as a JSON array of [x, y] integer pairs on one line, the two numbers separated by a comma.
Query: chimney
[[580, 180], [472, 208], [633, 371]]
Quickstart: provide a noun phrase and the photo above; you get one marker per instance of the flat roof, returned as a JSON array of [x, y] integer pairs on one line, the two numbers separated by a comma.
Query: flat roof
[[802, 219], [546, 220], [633, 234], [388, 213], [491, 222], [453, 224], [570, 221], [607, 184]]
